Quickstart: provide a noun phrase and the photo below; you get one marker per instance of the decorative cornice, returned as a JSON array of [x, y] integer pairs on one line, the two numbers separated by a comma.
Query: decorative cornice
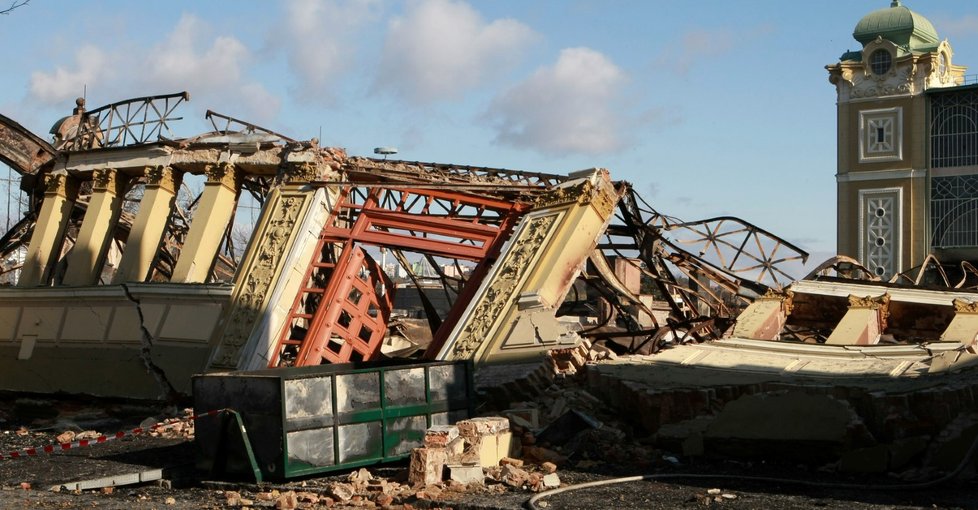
[[578, 193], [224, 174], [601, 197], [61, 185], [163, 177]]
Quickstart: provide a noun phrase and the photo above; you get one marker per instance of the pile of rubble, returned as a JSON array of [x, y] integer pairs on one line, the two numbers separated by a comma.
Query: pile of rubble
[[172, 428]]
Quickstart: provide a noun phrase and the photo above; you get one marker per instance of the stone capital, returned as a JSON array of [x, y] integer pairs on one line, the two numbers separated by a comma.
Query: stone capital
[[163, 177], [963, 306], [879, 303], [786, 297], [62, 185], [223, 174], [304, 171], [107, 180]]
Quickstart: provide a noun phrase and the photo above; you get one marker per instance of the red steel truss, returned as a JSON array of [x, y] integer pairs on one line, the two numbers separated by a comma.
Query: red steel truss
[[341, 312]]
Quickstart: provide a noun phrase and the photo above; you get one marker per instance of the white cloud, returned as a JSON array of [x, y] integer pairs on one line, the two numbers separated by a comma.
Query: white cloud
[[213, 68], [180, 63], [569, 107], [317, 36], [63, 83], [442, 48]]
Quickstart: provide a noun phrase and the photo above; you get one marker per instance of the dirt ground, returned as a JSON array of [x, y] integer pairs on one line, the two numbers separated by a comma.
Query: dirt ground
[[35, 422]]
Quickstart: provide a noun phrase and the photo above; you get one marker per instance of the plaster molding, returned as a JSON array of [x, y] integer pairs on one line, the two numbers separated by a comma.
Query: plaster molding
[[882, 175]]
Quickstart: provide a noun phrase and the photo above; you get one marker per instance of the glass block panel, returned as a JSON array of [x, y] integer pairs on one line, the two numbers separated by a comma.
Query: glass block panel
[[356, 392], [403, 387], [314, 447]]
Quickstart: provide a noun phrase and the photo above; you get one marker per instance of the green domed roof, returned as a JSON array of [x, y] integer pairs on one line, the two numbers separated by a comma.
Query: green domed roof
[[898, 24]]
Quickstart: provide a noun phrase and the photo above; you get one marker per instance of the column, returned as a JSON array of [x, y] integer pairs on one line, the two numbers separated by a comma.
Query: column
[[59, 198], [208, 224], [86, 258], [151, 221]]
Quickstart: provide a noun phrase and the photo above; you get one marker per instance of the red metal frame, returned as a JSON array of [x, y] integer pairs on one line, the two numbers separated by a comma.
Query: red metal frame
[[340, 315]]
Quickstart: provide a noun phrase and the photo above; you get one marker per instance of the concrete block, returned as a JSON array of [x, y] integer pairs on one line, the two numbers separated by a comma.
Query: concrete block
[[762, 320], [466, 474], [483, 451], [427, 465]]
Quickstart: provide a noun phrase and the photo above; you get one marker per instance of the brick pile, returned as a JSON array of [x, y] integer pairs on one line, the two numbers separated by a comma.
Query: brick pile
[[475, 451]]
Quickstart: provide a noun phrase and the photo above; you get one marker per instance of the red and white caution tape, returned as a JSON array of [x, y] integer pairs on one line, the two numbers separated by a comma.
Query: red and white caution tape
[[51, 448]]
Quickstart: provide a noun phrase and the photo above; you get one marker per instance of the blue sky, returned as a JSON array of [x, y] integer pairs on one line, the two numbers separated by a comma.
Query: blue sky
[[708, 108]]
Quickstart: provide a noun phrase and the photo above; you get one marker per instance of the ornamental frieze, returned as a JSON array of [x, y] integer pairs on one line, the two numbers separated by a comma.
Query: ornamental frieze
[[252, 289], [492, 304]]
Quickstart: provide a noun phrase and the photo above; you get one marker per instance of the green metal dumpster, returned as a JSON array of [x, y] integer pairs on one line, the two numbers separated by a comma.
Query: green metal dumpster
[[288, 422]]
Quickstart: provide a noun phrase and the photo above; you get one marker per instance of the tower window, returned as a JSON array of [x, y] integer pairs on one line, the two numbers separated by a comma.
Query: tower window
[[880, 61]]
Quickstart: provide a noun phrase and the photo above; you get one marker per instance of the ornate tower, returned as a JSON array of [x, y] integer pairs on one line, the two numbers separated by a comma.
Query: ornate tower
[[883, 136]]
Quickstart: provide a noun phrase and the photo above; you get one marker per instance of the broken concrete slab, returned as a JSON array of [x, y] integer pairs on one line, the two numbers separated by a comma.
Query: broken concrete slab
[[466, 474]]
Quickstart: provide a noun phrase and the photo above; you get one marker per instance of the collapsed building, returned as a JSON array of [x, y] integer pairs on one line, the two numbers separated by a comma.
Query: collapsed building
[[127, 285], [121, 281]]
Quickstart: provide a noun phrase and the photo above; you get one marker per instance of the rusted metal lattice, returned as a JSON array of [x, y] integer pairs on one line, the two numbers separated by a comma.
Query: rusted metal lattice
[[341, 312]]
